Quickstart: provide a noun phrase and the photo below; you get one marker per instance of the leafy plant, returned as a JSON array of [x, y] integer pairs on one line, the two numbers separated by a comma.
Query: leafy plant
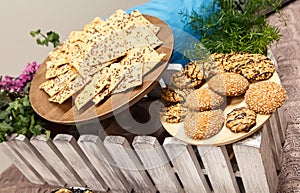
[[50, 37], [233, 30], [16, 113]]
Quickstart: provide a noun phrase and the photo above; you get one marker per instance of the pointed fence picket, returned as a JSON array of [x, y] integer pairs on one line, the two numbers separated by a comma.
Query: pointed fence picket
[[146, 165]]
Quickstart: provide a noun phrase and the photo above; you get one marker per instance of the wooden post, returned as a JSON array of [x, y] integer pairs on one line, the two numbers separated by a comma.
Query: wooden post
[[18, 160], [68, 146], [57, 161], [93, 147], [255, 161], [275, 143], [218, 167], [186, 165], [282, 120], [26, 149], [156, 163], [128, 162]]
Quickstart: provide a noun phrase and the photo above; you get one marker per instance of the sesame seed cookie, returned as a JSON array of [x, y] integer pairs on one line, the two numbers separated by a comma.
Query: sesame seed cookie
[[174, 113], [265, 97], [172, 95], [203, 125], [203, 99], [229, 84], [240, 119]]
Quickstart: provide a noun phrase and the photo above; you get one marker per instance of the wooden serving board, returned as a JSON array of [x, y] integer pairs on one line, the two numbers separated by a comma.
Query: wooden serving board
[[225, 136], [67, 113]]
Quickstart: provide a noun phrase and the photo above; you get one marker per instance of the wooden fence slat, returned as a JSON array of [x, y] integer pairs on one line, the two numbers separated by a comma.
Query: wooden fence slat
[[275, 143], [255, 162], [26, 149], [93, 147], [186, 165], [68, 146], [282, 120], [28, 171], [57, 161], [156, 163], [128, 162], [218, 167]]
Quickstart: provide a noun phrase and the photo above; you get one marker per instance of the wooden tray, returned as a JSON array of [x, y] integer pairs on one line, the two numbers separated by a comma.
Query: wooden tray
[[225, 136], [66, 113]]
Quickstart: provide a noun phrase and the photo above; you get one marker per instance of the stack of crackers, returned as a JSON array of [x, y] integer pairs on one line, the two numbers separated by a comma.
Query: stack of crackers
[[106, 57]]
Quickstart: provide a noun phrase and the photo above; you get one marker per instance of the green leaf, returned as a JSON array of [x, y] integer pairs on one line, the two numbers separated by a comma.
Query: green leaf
[[5, 127], [3, 115], [47, 133], [22, 131], [39, 41]]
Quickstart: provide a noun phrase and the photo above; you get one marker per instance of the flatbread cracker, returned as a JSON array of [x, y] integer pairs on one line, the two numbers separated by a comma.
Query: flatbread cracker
[[133, 77], [110, 48], [117, 74], [98, 82], [53, 71], [53, 86], [136, 17], [74, 86]]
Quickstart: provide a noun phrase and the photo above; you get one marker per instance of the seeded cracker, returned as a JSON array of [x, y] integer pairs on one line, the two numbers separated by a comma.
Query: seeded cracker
[[203, 125], [74, 86], [56, 84], [53, 71], [98, 83], [265, 97], [116, 75], [133, 78]]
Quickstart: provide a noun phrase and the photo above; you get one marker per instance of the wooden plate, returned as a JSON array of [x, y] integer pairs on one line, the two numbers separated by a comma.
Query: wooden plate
[[225, 136], [66, 113]]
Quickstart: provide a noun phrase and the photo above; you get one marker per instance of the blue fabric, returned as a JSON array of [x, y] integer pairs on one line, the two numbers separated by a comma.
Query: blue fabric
[[168, 11]]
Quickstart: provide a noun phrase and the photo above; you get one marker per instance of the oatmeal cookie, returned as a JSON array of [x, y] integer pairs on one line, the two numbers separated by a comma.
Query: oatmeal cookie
[[203, 99], [260, 68], [240, 119], [203, 125], [254, 67], [229, 84], [181, 80], [174, 113], [265, 97], [172, 95]]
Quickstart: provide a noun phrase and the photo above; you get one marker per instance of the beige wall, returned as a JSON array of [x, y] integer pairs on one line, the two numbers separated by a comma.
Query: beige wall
[[19, 17]]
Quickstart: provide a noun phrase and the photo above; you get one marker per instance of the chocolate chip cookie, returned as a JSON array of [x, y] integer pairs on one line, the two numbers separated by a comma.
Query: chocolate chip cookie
[[174, 113], [240, 119]]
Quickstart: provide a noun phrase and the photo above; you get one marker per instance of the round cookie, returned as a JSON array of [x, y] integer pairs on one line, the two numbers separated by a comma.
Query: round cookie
[[265, 97], [229, 84], [175, 95], [203, 99], [181, 80], [174, 113], [203, 125], [260, 68], [240, 119], [194, 70]]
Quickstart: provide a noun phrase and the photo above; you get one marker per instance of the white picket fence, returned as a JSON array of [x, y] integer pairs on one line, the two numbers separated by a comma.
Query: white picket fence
[[145, 165]]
